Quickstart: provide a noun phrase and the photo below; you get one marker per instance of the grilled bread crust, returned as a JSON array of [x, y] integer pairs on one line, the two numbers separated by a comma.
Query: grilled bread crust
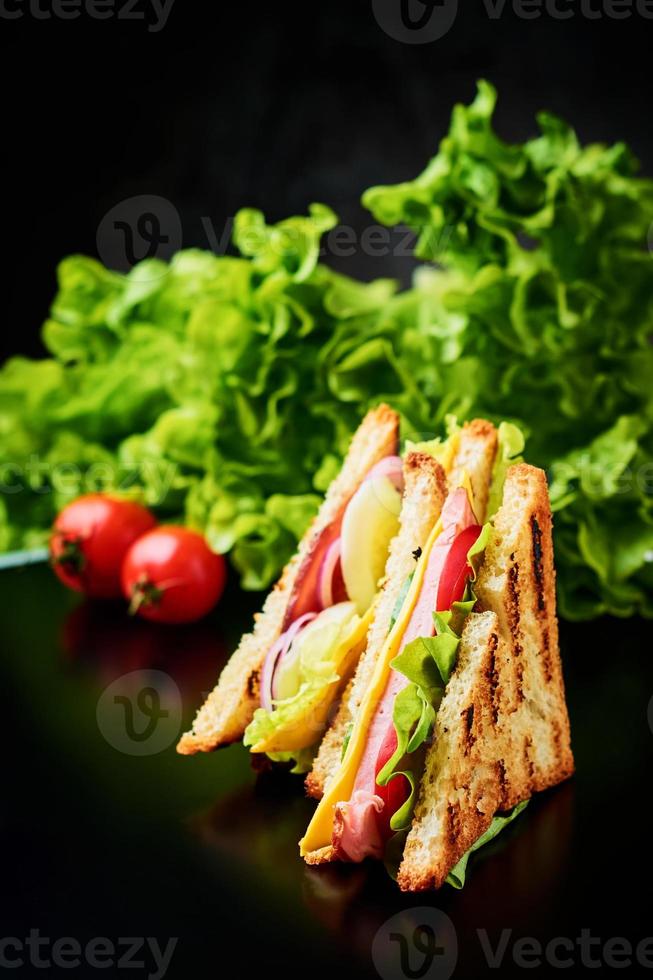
[[426, 486], [502, 730], [229, 708], [424, 493], [475, 455]]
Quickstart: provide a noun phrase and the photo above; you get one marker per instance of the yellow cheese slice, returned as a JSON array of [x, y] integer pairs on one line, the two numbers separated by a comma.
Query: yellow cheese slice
[[320, 829]]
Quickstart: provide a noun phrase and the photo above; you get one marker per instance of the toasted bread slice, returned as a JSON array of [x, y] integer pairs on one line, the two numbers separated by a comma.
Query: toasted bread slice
[[424, 493], [229, 708], [475, 455], [423, 500], [502, 730]]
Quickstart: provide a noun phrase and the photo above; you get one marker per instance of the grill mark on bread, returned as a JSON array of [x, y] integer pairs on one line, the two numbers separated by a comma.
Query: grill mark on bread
[[493, 676], [539, 596], [453, 821], [503, 782], [469, 737], [538, 566], [530, 765], [519, 681], [253, 685], [512, 612], [546, 656]]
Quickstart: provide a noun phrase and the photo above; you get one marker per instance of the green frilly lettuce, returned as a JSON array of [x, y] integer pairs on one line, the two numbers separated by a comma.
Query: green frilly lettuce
[[539, 306], [223, 390]]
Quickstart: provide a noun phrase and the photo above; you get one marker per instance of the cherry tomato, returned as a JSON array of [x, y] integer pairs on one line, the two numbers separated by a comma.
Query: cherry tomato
[[395, 793], [171, 576], [90, 538], [456, 571]]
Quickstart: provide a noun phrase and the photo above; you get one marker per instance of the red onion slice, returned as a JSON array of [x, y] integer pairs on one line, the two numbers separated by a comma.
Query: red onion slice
[[275, 654], [328, 572], [392, 467]]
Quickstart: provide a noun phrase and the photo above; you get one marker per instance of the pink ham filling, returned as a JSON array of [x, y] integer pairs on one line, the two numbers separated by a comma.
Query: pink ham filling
[[356, 833]]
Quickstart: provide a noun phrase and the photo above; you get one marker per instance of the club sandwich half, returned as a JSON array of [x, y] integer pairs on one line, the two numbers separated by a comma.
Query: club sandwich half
[[456, 713]]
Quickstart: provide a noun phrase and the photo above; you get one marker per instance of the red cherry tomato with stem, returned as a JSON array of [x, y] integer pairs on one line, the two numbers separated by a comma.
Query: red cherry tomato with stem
[[170, 575], [90, 539]]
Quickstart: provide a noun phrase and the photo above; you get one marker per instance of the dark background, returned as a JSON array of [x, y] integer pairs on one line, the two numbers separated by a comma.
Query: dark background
[[272, 106], [275, 106]]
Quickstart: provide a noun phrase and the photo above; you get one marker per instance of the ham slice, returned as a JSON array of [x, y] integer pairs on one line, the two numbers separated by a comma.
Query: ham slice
[[356, 834]]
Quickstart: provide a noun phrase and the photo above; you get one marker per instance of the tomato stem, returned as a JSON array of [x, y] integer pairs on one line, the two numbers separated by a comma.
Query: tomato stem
[[71, 555], [144, 593]]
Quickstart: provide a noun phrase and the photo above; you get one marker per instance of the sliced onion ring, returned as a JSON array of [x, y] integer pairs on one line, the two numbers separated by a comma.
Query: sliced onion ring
[[325, 581], [275, 654], [392, 467]]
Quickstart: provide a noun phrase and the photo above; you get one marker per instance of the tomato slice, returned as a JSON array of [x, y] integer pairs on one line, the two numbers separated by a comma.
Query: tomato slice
[[456, 571], [395, 793]]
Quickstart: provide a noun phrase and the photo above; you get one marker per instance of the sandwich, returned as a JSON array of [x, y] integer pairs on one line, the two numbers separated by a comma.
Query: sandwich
[[468, 455], [285, 682], [456, 715], [321, 603]]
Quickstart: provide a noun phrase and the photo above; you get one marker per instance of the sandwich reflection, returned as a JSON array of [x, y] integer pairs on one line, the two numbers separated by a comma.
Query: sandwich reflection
[[517, 879]]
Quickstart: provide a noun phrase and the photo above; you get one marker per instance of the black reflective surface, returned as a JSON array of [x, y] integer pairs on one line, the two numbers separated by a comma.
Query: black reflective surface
[[101, 842]]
